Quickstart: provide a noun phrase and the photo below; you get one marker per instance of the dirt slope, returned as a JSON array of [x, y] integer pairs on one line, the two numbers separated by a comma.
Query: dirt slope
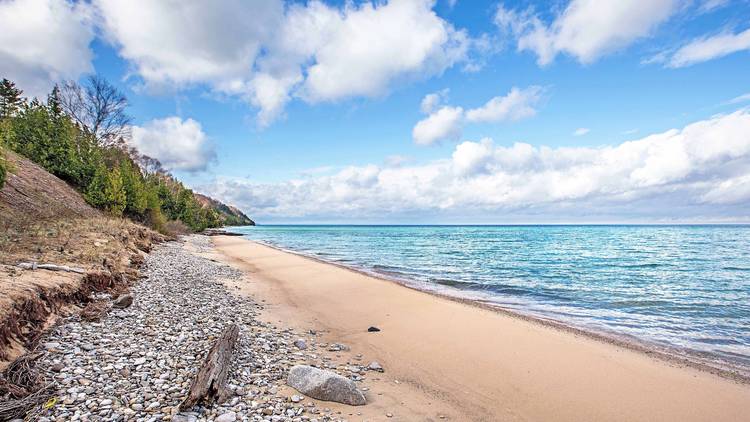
[[32, 194], [43, 220]]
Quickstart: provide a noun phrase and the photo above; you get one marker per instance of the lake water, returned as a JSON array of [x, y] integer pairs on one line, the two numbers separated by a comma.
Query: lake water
[[682, 287]]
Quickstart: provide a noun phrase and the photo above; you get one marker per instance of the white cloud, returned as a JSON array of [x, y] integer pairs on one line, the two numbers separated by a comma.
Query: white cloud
[[740, 99], [369, 46], [178, 144], [585, 29], [446, 122], [732, 191], [43, 42], [581, 131], [269, 53], [431, 102], [396, 160], [176, 43], [700, 170], [710, 5], [708, 48], [443, 124], [516, 105]]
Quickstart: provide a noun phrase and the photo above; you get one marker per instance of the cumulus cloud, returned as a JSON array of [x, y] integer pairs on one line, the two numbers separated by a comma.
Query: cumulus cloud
[[700, 170], [181, 42], [707, 48], [446, 122], [431, 102], [516, 105], [178, 144], [585, 29], [442, 124], [268, 53], [43, 42]]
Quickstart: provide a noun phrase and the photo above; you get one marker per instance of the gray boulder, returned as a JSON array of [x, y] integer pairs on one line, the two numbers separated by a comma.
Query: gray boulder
[[324, 385]]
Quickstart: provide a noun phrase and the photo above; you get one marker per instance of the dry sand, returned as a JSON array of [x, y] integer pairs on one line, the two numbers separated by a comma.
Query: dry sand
[[452, 360]]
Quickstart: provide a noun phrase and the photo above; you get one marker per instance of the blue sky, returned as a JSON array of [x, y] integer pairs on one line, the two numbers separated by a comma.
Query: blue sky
[[312, 111]]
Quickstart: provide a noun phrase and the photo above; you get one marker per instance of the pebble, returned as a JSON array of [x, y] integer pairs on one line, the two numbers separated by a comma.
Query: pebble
[[137, 363], [227, 417], [375, 366]]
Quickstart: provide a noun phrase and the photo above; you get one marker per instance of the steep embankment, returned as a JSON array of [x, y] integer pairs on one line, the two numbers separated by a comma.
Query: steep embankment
[[43, 220], [230, 216]]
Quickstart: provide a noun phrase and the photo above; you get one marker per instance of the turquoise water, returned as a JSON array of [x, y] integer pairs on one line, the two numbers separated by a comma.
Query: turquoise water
[[683, 287]]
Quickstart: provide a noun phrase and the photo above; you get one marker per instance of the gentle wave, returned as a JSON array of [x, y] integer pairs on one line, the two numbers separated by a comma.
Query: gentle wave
[[683, 287]]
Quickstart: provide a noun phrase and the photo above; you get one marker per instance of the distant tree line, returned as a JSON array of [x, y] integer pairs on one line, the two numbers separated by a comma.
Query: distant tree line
[[79, 134]]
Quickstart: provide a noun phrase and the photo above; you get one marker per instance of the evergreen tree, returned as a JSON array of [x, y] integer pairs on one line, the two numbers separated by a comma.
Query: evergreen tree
[[10, 99], [135, 190], [94, 194], [54, 103], [114, 192]]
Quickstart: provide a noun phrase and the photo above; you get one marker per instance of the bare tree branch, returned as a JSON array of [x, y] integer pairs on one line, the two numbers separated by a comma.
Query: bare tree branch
[[98, 107]]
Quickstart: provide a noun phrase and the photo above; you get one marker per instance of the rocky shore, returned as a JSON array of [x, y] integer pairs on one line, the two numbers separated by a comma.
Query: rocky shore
[[137, 363]]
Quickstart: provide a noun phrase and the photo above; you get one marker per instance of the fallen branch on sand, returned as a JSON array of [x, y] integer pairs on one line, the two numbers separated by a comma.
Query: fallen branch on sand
[[50, 267], [209, 383], [219, 232]]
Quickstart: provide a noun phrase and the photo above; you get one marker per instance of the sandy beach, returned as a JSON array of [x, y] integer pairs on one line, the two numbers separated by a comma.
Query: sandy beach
[[450, 360]]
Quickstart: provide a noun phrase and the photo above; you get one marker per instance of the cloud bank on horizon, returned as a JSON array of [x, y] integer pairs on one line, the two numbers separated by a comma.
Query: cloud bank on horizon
[[700, 170], [272, 55]]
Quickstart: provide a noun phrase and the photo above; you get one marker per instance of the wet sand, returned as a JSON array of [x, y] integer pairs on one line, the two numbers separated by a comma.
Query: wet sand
[[452, 360]]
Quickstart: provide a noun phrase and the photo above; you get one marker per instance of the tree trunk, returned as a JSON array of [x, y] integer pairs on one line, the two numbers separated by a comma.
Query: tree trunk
[[208, 384]]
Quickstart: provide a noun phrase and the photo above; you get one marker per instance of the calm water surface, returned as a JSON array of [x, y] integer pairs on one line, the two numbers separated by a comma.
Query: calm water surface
[[683, 287]]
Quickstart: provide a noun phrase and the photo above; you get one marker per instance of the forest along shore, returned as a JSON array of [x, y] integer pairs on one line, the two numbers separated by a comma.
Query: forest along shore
[[138, 362], [481, 364]]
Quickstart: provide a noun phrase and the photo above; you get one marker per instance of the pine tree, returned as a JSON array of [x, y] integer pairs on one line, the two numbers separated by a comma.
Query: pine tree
[[114, 192], [54, 103], [135, 191], [95, 190], [10, 99]]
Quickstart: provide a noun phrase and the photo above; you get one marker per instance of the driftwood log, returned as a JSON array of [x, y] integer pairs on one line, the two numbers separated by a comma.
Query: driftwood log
[[209, 384], [50, 267]]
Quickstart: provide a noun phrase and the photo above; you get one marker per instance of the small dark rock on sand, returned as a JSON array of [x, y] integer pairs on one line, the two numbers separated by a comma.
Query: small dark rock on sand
[[373, 329]]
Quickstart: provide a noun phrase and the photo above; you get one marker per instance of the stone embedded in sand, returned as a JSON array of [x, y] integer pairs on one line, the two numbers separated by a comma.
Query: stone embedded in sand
[[375, 366], [338, 347], [300, 344], [184, 417], [227, 417], [123, 301], [324, 385], [373, 329]]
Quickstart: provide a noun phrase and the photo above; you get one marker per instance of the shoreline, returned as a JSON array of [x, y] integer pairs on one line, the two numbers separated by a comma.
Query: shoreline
[[479, 363], [669, 354]]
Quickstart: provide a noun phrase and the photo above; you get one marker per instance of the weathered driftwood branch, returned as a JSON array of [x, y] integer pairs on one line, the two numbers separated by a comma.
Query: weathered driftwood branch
[[51, 267], [219, 232], [209, 384]]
